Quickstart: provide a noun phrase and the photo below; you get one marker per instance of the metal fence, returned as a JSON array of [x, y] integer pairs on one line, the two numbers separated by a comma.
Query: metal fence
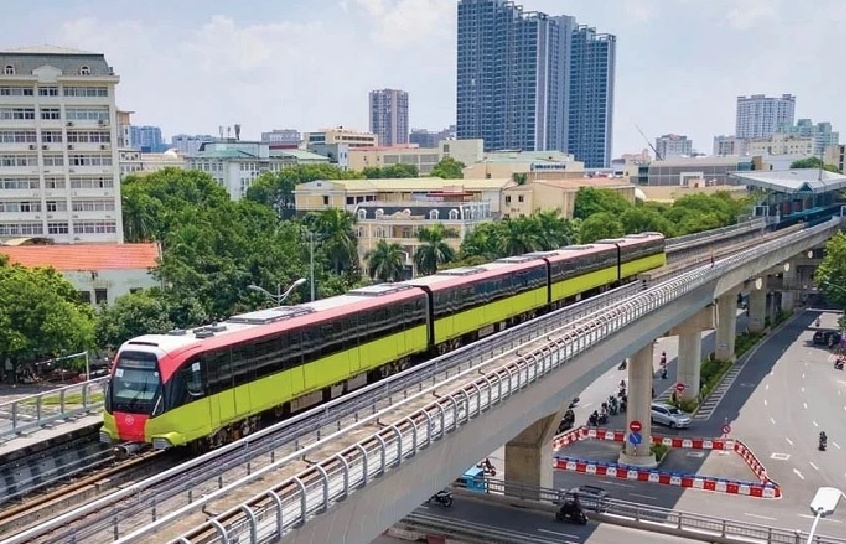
[[699, 238], [294, 502], [42, 409]]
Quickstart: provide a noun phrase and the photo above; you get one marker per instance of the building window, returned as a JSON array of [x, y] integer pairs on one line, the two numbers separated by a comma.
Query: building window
[[57, 228], [446, 148], [362, 213], [48, 91], [508, 200], [84, 296], [9, 70], [85, 71], [433, 214], [325, 200], [453, 214], [520, 198], [101, 296]]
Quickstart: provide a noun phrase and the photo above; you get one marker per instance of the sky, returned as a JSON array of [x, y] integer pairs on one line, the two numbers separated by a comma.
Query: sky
[[192, 65]]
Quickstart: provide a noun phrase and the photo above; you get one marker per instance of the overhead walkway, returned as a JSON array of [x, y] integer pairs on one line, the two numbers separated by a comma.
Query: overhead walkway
[[360, 490]]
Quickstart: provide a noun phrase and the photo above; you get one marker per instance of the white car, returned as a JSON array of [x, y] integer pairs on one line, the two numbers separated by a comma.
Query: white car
[[669, 415]]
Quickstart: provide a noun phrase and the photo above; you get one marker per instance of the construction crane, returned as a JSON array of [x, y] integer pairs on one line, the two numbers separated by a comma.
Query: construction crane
[[649, 143]]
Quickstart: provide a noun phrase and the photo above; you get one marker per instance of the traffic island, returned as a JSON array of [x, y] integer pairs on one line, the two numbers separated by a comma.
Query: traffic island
[[594, 459]]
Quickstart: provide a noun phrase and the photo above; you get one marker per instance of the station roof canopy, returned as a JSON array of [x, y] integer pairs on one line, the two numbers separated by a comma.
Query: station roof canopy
[[800, 180]]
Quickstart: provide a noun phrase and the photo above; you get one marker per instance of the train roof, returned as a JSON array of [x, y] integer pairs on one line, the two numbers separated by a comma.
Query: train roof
[[456, 276], [262, 322]]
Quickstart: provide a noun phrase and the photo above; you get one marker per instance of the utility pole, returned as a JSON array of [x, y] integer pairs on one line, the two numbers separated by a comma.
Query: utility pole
[[311, 255]]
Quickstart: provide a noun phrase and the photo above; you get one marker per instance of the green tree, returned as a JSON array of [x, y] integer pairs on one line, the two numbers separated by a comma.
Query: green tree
[[132, 315], [276, 189], [600, 226], [435, 251], [393, 171], [483, 242], [40, 315], [640, 219], [386, 262], [590, 201], [338, 241], [830, 275], [814, 162], [448, 168], [155, 204]]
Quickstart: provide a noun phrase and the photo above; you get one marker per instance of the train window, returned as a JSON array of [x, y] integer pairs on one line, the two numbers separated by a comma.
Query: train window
[[194, 380], [218, 371]]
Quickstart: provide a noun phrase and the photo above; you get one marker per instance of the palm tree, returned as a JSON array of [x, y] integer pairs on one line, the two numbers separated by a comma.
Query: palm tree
[[520, 236], [386, 262], [435, 250], [337, 239], [553, 230]]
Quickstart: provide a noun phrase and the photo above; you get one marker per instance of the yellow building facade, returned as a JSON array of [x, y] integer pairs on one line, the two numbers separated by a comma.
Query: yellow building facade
[[547, 195]]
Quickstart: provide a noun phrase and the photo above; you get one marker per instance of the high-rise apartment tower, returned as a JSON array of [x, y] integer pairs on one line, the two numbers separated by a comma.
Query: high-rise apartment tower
[[760, 116], [528, 81], [388, 113]]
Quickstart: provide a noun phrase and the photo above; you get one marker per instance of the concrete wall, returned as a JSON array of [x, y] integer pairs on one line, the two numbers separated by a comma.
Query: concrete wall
[[115, 283]]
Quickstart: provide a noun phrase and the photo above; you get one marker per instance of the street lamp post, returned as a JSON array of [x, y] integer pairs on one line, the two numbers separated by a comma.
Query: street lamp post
[[280, 296], [824, 504]]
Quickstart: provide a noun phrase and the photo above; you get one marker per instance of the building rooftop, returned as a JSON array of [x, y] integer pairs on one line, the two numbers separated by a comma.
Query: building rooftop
[[526, 156], [416, 184], [299, 154], [800, 180], [70, 61], [576, 184], [71, 257], [702, 160]]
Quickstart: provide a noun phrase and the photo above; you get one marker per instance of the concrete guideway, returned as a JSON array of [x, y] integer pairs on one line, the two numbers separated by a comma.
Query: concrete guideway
[[688, 294]]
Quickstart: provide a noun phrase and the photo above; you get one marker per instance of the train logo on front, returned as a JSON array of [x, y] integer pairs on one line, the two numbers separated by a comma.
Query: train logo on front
[[129, 420]]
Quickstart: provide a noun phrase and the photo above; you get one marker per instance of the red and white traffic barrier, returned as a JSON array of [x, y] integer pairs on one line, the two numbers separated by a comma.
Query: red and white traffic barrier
[[691, 481], [766, 488]]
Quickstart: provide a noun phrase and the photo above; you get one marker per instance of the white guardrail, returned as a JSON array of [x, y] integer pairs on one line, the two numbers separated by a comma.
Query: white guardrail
[[294, 502], [36, 411]]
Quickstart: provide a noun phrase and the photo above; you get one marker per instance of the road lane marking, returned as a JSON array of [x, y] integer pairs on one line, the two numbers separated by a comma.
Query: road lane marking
[[547, 531], [767, 387], [641, 496], [759, 516], [771, 419], [805, 405], [815, 467], [620, 484], [789, 441], [803, 389], [836, 445], [796, 472], [803, 375], [780, 456], [809, 516], [765, 402], [815, 424]]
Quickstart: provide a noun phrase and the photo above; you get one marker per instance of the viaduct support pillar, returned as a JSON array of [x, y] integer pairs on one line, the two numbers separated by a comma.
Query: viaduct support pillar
[[528, 456], [758, 305], [726, 326], [639, 391], [690, 349], [789, 287]]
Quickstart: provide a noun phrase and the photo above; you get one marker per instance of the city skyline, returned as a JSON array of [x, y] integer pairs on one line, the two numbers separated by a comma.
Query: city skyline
[[219, 65]]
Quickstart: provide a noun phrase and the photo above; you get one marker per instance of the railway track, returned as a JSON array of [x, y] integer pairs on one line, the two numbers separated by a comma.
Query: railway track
[[143, 502]]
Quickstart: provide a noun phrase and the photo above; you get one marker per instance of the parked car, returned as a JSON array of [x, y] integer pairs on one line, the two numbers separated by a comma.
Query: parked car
[[826, 338], [669, 415]]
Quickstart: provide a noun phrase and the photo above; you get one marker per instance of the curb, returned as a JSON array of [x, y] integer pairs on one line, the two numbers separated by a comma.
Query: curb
[[764, 488], [733, 371]]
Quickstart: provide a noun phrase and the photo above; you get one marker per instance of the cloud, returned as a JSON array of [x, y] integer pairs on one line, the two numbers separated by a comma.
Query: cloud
[[747, 14], [401, 23]]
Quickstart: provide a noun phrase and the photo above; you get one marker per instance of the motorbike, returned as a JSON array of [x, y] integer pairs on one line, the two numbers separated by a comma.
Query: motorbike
[[572, 513], [624, 404], [823, 441], [603, 419], [623, 365], [444, 498], [613, 405], [838, 364], [593, 420]]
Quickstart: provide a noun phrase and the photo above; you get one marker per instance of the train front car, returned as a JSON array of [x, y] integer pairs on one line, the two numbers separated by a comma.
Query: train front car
[[133, 396]]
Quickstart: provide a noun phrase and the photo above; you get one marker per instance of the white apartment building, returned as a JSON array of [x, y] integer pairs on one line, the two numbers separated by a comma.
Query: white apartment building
[[133, 161], [782, 144], [59, 173], [759, 116], [673, 145]]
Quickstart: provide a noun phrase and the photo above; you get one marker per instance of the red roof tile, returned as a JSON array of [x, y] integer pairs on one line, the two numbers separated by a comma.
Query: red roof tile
[[69, 257]]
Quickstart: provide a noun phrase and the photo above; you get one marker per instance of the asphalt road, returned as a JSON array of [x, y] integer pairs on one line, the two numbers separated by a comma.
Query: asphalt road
[[541, 526]]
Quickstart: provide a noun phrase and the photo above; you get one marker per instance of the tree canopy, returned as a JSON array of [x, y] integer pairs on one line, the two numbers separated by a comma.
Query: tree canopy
[[448, 168], [41, 315], [830, 275], [814, 162]]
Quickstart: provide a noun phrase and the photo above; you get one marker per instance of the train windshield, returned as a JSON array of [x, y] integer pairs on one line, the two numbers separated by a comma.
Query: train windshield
[[136, 384]]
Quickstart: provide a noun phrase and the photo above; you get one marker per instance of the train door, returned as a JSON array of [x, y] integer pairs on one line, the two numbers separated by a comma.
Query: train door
[[221, 388]]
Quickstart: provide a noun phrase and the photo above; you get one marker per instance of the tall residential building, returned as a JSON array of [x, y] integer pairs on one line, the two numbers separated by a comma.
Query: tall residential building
[[146, 138], [59, 170], [730, 145], [430, 138], [189, 144], [388, 113], [530, 82], [760, 116], [822, 133], [673, 145]]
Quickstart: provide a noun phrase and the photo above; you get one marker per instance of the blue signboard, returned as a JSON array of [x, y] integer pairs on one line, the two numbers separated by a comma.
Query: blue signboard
[[636, 439]]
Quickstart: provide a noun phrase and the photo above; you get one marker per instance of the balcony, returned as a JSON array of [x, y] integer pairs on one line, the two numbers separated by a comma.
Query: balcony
[[20, 147]]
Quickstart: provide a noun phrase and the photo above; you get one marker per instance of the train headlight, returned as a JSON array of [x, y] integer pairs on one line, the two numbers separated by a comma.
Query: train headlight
[[161, 443]]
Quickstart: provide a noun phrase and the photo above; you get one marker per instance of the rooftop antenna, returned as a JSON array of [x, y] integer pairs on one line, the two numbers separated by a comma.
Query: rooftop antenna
[[228, 132], [220, 131], [237, 132]]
